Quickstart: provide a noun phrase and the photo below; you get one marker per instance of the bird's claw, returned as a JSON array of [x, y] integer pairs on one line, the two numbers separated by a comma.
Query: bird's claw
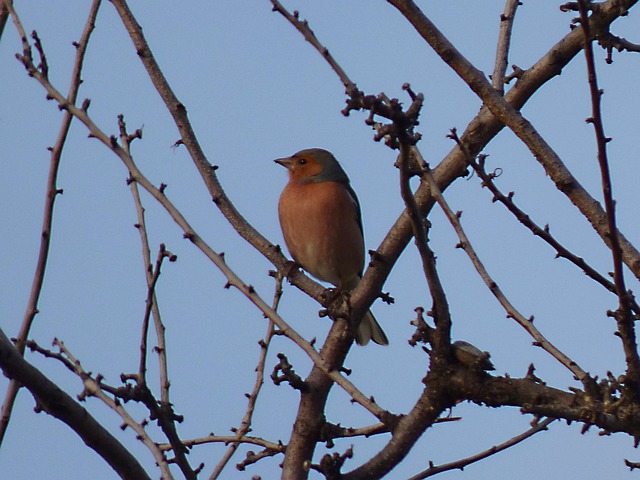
[[290, 268], [330, 295]]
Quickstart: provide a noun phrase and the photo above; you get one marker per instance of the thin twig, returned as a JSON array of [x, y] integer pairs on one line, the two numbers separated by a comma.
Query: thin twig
[[332, 431], [141, 225], [140, 393], [504, 42], [608, 41], [303, 27], [245, 424], [512, 312], [52, 192], [150, 302], [626, 324], [440, 312], [253, 457], [544, 233], [227, 439], [163, 410], [93, 388], [464, 462]]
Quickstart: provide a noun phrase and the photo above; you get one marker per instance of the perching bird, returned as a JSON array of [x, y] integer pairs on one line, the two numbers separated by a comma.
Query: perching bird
[[471, 356], [322, 226]]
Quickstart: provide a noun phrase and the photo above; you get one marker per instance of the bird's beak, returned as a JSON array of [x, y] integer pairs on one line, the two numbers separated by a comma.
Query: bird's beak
[[285, 162]]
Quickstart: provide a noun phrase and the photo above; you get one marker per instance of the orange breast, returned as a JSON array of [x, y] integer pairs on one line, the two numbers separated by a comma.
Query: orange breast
[[320, 226]]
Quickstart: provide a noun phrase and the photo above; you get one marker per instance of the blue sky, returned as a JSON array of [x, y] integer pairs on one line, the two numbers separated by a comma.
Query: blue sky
[[255, 91]]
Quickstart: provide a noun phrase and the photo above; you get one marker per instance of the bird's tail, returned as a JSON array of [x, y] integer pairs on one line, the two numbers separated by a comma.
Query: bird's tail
[[370, 329]]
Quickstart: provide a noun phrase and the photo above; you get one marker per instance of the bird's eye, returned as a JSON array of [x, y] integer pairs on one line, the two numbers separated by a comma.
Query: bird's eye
[[302, 161]]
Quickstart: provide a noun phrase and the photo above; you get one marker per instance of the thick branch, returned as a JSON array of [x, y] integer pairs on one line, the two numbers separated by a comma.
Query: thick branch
[[434, 400], [506, 110], [55, 402]]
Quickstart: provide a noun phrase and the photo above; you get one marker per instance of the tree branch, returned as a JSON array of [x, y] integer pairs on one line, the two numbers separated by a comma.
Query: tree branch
[[464, 462], [52, 192], [4, 16], [152, 301], [504, 42], [50, 398], [543, 233], [245, 424], [441, 338], [512, 312], [626, 327], [93, 388], [608, 41], [506, 111]]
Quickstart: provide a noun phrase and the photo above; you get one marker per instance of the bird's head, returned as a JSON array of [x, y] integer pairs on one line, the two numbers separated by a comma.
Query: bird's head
[[313, 165]]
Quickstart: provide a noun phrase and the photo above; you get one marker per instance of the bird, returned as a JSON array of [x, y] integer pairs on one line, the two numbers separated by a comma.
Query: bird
[[321, 224]]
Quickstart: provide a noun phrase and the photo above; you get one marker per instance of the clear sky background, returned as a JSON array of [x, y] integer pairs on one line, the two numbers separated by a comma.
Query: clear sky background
[[255, 91]]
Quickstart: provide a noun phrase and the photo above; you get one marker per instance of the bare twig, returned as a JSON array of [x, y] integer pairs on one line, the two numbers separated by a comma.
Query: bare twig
[[245, 425], [52, 192], [92, 388], [512, 312], [283, 371], [542, 232], [626, 326], [161, 348], [303, 27], [608, 41], [150, 302], [162, 411], [442, 336], [464, 462], [253, 457], [632, 465], [504, 42], [248, 440], [380, 105], [331, 431]]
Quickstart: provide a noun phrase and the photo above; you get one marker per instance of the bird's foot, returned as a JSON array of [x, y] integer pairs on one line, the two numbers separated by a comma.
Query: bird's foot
[[289, 269], [330, 295]]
